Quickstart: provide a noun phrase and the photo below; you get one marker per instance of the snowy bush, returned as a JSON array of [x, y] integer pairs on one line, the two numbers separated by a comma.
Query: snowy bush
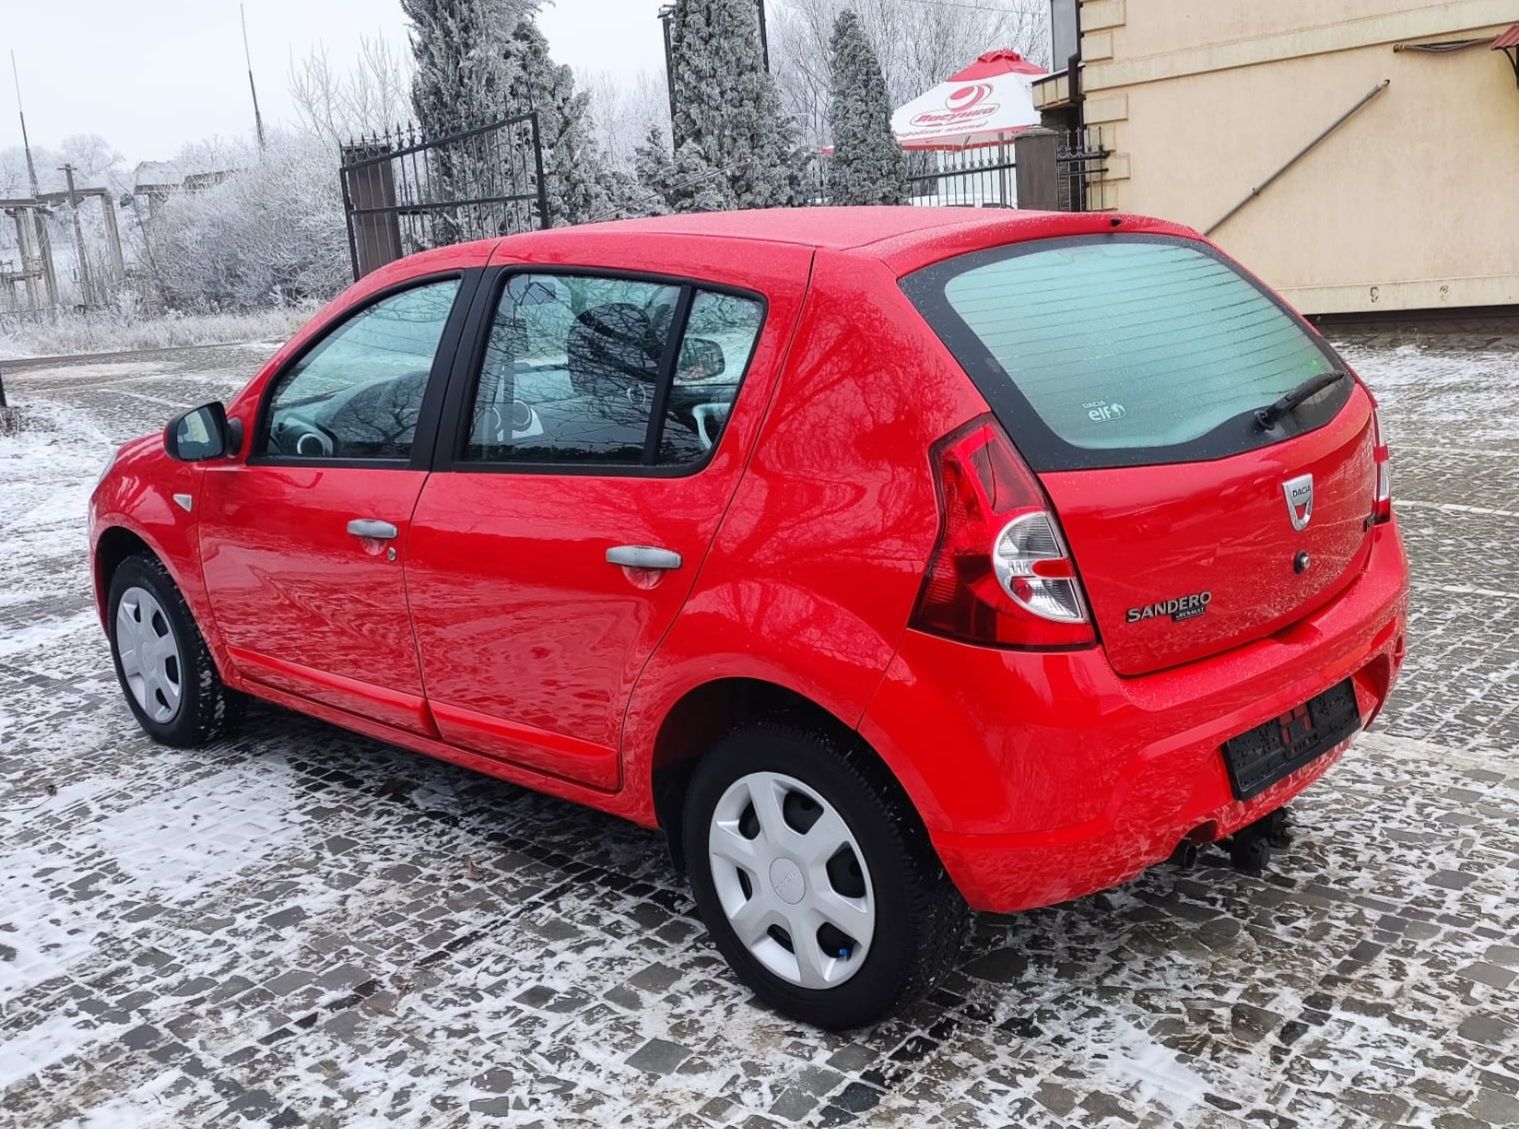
[[270, 234]]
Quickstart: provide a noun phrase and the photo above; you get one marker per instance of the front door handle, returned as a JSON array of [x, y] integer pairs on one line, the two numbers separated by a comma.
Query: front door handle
[[369, 527], [643, 556]]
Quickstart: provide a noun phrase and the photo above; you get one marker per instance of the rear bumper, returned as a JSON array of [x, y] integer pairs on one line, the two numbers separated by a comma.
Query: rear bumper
[[1045, 776]]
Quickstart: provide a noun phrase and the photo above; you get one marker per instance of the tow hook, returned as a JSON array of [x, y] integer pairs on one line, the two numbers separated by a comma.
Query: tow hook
[[1250, 847]]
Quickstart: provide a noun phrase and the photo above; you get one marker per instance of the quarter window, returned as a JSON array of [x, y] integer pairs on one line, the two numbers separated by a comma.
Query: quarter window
[[719, 340], [358, 393]]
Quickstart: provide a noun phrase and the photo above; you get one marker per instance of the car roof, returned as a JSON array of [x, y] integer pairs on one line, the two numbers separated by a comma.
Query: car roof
[[902, 237], [834, 229]]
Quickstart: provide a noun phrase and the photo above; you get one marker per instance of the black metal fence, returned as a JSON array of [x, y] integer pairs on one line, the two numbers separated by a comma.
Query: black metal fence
[[968, 178], [1080, 160], [404, 192], [987, 177]]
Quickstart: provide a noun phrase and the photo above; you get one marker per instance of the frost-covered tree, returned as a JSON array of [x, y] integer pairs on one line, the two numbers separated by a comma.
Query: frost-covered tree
[[867, 165], [576, 188], [654, 171], [918, 44], [270, 231], [727, 110], [696, 186], [464, 59], [623, 109], [369, 97], [465, 65]]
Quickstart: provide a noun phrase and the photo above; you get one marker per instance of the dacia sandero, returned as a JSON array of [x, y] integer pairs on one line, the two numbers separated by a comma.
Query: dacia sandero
[[895, 562]]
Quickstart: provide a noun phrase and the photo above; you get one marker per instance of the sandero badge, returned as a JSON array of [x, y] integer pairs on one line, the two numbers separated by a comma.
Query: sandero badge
[[1183, 607]]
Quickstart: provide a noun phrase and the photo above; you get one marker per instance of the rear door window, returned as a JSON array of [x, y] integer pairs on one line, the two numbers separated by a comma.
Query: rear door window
[[571, 369], [597, 371], [1124, 350]]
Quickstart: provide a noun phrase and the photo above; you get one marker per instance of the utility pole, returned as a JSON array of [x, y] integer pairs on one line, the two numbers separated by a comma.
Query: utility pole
[[79, 250], [43, 261], [31, 166], [764, 38], [666, 14], [258, 120]]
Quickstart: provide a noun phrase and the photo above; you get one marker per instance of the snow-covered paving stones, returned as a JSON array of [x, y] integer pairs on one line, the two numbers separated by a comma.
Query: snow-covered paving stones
[[304, 927]]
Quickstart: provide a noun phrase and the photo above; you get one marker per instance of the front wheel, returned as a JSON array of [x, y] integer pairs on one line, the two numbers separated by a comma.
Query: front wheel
[[815, 879], [162, 662]]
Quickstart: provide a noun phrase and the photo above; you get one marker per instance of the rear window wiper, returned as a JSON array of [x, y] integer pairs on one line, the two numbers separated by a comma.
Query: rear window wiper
[[1266, 417]]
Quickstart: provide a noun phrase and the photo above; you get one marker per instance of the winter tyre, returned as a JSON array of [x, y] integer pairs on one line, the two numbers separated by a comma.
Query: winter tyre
[[815, 879], [165, 669]]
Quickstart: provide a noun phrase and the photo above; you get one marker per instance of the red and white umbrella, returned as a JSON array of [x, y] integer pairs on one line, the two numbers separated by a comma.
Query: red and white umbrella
[[986, 103]]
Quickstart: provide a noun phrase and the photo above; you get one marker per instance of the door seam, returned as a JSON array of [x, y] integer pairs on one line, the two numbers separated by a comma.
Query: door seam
[[782, 365]]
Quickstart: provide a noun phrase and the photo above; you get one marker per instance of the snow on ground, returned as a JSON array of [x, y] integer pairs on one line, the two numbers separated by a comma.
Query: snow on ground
[[304, 927], [110, 332]]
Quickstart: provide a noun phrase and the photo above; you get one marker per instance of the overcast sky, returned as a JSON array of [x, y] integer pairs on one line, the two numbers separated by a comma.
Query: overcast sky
[[150, 75]]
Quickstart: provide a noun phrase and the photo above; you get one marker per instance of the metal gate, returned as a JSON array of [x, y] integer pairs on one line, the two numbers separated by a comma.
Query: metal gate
[[403, 192]]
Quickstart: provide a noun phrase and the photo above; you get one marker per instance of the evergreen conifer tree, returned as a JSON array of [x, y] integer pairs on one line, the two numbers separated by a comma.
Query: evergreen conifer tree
[[464, 60], [696, 186], [576, 184], [868, 166], [654, 168], [727, 111], [463, 77]]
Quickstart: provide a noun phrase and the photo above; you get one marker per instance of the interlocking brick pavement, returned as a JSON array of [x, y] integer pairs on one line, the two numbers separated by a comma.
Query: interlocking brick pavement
[[303, 927]]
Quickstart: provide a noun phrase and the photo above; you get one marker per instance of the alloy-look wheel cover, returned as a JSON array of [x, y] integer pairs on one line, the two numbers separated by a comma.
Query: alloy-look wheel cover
[[772, 877], [149, 654]]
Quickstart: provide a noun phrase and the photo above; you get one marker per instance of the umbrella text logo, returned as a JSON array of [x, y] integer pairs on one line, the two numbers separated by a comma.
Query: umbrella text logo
[[963, 104], [968, 97]]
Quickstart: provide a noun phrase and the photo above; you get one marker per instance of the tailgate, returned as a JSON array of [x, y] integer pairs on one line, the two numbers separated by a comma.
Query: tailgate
[[1210, 459], [1182, 561]]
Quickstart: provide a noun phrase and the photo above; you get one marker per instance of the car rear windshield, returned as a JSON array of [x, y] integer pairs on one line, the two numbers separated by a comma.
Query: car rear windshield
[[1122, 350]]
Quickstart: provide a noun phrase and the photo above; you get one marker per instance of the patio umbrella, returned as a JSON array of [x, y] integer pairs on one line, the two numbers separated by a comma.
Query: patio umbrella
[[985, 104]]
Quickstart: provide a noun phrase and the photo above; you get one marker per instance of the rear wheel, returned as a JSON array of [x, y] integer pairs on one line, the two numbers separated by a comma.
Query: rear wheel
[[162, 662], [815, 879]]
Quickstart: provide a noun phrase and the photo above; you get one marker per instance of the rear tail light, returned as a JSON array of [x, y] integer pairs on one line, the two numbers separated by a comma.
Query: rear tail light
[[1381, 503], [1000, 572]]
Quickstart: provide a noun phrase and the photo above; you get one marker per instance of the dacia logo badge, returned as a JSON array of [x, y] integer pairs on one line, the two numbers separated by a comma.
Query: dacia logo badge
[[1299, 494]]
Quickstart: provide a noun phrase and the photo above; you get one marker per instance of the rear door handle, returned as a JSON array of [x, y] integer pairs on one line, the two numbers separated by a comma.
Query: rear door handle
[[643, 556], [369, 527]]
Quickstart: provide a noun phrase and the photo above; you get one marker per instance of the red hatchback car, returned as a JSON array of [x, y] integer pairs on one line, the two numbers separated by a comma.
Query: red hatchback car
[[893, 561]]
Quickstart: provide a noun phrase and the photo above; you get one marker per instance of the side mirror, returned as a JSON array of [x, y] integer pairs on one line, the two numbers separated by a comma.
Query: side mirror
[[202, 433], [701, 358]]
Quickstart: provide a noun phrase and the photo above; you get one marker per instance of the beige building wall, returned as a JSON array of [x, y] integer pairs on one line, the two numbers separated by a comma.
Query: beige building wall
[[1412, 204]]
